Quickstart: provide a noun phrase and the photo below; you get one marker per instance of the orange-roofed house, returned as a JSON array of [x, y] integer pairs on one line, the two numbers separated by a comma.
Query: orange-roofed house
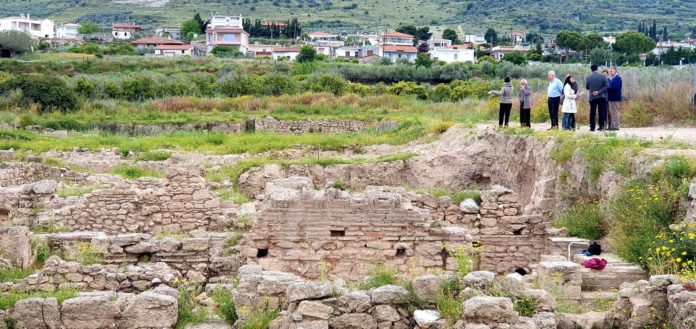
[[173, 50], [155, 41], [125, 31], [226, 31], [397, 45]]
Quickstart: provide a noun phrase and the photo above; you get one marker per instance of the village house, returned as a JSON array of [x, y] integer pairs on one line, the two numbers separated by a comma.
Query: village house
[[154, 41], [173, 32], [35, 28], [474, 39], [610, 39], [125, 31], [663, 46], [263, 50], [439, 43], [68, 31], [322, 36], [226, 31], [396, 45], [517, 38], [285, 53], [351, 52], [499, 52], [451, 54], [172, 50]]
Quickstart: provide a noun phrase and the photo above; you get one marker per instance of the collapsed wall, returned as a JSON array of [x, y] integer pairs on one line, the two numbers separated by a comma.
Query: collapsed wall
[[301, 230]]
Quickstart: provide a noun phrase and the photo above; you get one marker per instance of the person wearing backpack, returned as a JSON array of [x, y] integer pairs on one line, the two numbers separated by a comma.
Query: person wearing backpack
[[505, 94]]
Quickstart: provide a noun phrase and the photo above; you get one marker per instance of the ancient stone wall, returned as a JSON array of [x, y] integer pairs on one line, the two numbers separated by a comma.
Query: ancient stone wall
[[180, 203], [301, 230], [59, 274], [196, 258], [269, 124], [20, 173], [154, 308], [16, 247]]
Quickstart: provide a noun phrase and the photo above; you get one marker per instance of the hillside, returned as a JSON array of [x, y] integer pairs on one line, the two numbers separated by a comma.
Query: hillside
[[473, 16]]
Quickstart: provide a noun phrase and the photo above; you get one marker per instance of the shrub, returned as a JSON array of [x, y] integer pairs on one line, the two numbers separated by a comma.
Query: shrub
[[260, 318], [138, 88], [226, 52], [358, 89], [189, 312], [583, 221], [240, 85], [276, 84], [307, 54], [673, 252], [441, 93], [224, 305], [48, 91], [380, 276], [154, 156], [326, 83], [407, 88]]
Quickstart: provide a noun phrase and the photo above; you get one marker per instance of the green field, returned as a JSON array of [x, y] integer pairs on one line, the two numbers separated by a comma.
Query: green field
[[370, 15]]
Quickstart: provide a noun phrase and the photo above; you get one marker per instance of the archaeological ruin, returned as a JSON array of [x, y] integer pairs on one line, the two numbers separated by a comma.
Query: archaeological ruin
[[307, 245]]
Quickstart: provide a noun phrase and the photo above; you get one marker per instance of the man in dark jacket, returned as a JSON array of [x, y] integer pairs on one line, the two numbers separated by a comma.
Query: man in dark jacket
[[596, 86], [615, 98]]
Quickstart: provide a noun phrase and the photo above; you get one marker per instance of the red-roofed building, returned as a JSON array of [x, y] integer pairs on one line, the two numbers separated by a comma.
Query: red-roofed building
[[226, 31], [125, 31], [396, 38], [173, 50], [155, 41], [395, 52]]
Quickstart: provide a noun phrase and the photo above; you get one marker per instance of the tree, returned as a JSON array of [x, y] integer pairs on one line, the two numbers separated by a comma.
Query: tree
[[226, 52], [48, 91], [515, 57], [423, 33], [536, 53], [423, 59], [491, 36], [600, 55], [571, 40], [665, 36], [534, 37], [88, 28], [593, 41], [633, 42], [190, 27], [450, 35], [202, 25], [408, 29], [307, 54], [423, 47], [13, 42]]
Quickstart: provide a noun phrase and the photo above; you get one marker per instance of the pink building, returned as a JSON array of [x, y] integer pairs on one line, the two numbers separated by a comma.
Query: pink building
[[226, 31]]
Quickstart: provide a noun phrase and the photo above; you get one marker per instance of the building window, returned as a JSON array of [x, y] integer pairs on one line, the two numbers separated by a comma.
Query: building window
[[228, 37]]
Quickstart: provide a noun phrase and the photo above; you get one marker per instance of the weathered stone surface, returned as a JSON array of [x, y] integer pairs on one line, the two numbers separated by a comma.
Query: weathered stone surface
[[489, 310], [353, 302], [147, 309], [425, 318], [479, 279], [90, 312], [15, 246], [308, 290], [383, 313], [314, 309], [353, 321], [389, 294], [469, 206], [36, 313], [426, 287], [44, 187]]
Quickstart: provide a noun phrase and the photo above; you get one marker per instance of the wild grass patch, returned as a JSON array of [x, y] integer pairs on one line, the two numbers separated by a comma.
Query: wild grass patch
[[9, 299], [135, 172]]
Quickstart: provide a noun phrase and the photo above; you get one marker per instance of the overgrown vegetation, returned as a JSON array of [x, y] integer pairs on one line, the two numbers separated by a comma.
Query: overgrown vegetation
[[259, 318], [380, 276], [224, 305], [135, 172], [14, 274], [189, 311], [583, 221], [8, 299]]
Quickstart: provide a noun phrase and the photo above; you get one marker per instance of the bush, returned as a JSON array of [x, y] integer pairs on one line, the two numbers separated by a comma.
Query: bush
[[583, 221], [276, 84], [325, 83], [226, 52], [441, 93], [138, 88], [224, 305], [407, 88], [48, 91], [239, 86]]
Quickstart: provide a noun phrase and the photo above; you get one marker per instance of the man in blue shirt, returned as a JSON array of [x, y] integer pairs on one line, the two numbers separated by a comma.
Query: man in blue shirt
[[615, 98], [554, 93]]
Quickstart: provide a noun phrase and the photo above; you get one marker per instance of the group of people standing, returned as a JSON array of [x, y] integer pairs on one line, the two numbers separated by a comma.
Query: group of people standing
[[605, 96]]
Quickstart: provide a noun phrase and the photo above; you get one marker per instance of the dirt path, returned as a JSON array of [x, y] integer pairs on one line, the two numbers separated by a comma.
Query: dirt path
[[687, 135]]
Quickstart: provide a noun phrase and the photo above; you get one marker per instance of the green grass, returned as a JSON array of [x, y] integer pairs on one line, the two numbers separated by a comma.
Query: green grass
[[69, 191], [154, 156], [9, 299], [14, 274], [231, 194], [583, 220], [224, 305], [134, 172], [189, 311], [380, 276], [260, 318], [457, 197]]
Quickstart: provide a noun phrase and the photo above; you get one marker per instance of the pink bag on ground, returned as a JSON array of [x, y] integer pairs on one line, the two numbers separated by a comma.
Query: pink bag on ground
[[595, 263]]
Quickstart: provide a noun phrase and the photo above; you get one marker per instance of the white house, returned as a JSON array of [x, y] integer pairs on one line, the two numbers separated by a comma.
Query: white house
[[439, 43], [499, 52], [125, 31], [168, 32], [173, 50], [357, 51], [451, 54], [321, 36], [35, 28], [474, 39], [289, 53], [610, 39], [397, 45], [226, 31], [396, 38], [517, 38], [663, 46], [68, 31]]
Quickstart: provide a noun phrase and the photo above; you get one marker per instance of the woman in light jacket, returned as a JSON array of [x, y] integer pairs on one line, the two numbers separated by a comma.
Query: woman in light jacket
[[570, 105], [506, 94], [525, 97]]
